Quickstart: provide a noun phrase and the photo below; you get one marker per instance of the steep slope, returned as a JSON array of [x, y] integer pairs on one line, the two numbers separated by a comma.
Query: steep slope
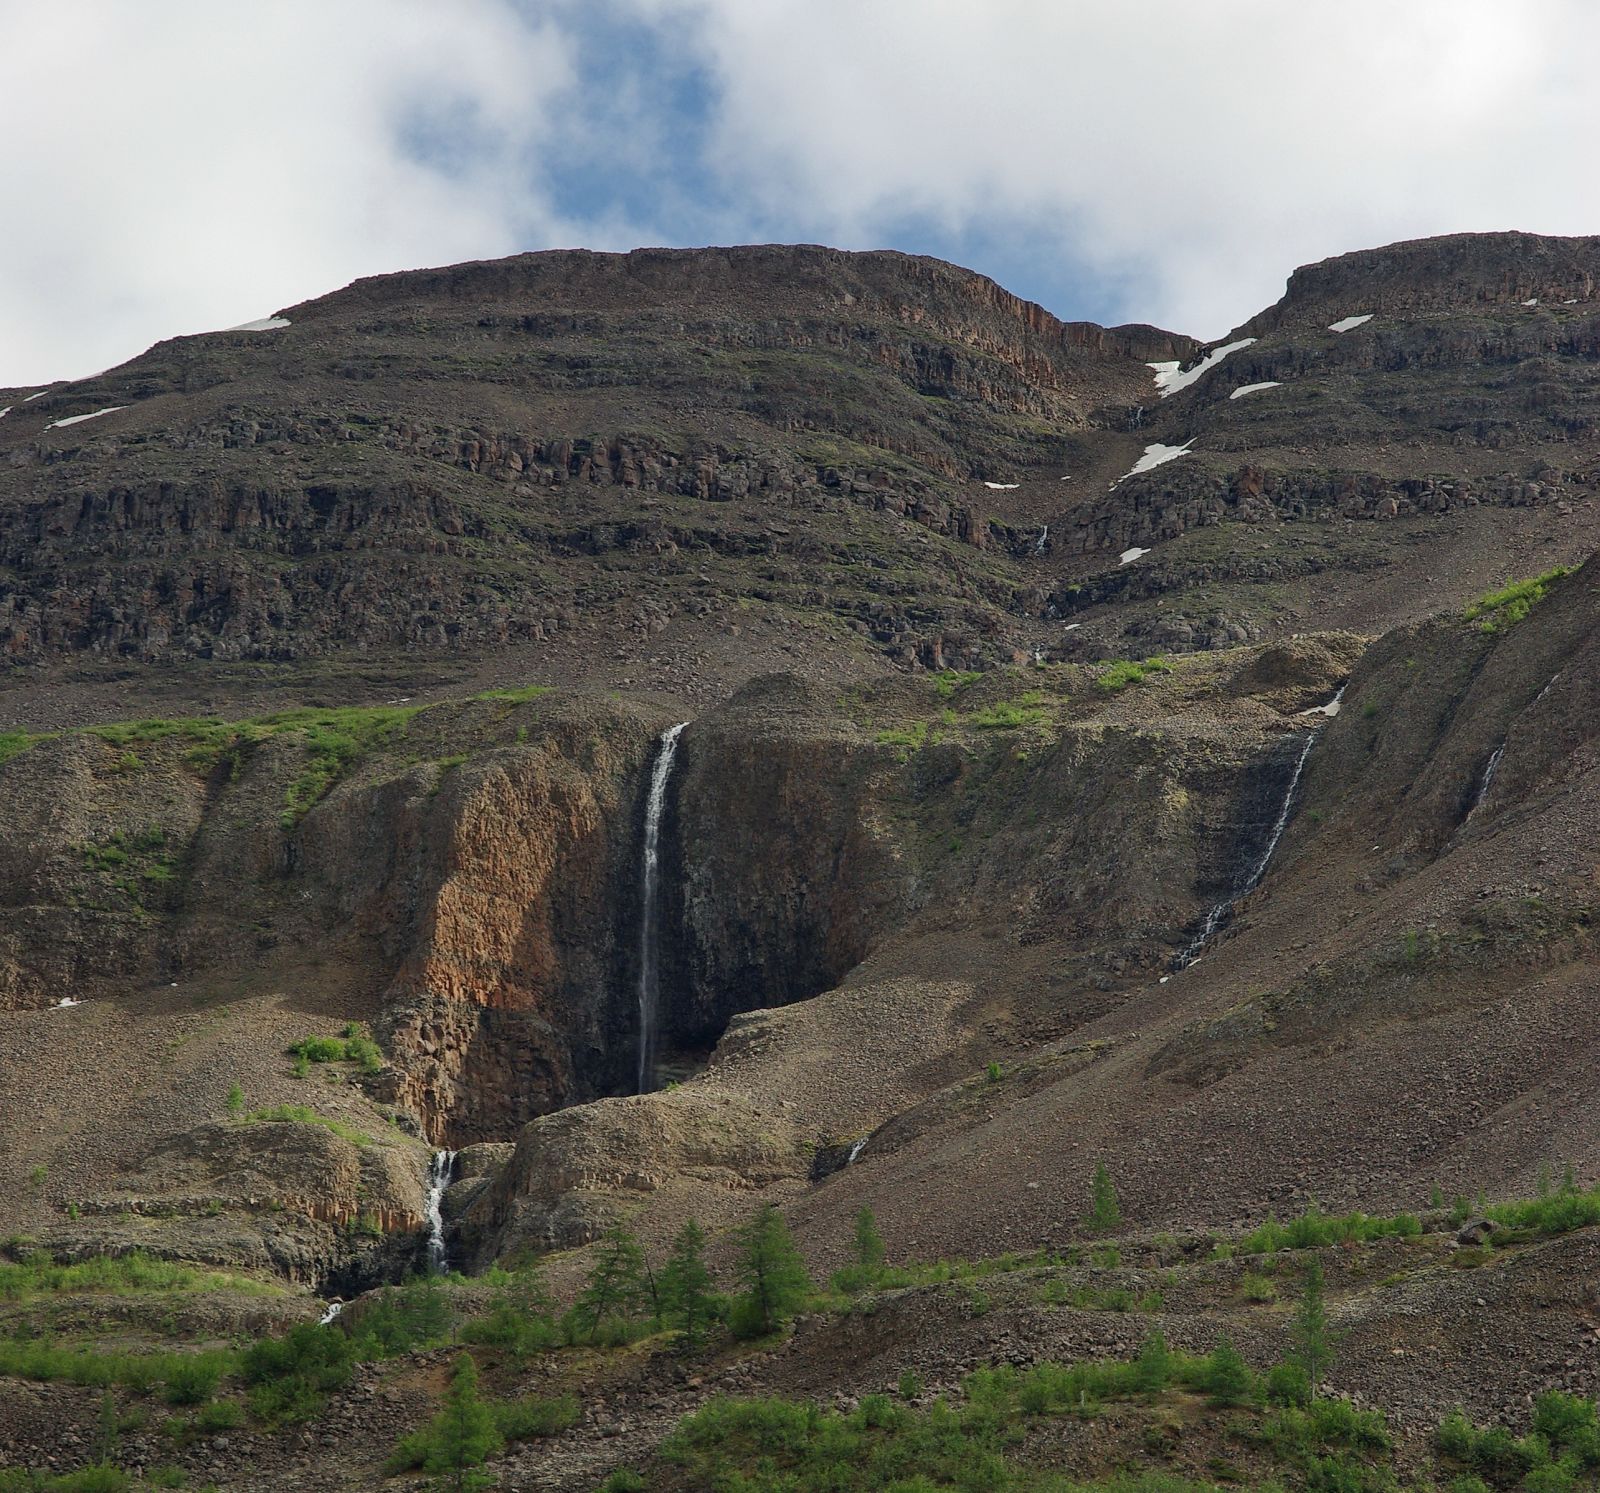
[[684, 468], [1406, 427], [563, 451]]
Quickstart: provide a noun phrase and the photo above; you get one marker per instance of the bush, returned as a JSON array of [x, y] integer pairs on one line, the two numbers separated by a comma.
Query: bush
[[1315, 1229], [1226, 1377], [293, 1374], [1287, 1384], [404, 1319], [522, 1420], [219, 1415], [193, 1380], [1254, 1286], [354, 1047]]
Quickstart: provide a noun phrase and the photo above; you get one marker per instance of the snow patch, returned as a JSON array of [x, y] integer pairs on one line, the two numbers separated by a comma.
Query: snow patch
[[1533, 302], [264, 324], [1244, 389], [1350, 323], [1129, 556], [92, 415], [1572, 302], [1072, 627], [39, 395], [66, 1001], [1154, 456], [1170, 377], [1002, 486], [6, 411]]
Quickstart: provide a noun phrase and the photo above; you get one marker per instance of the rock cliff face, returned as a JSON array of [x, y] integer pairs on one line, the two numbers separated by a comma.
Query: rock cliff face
[[815, 485], [465, 459], [682, 464]]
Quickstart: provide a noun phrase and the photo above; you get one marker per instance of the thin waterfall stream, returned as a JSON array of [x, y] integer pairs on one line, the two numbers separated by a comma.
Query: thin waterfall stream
[[1487, 781], [1219, 913], [649, 905], [439, 1173]]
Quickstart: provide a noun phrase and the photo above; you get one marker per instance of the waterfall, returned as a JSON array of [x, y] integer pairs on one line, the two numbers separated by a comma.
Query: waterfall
[[1219, 914], [856, 1148], [1488, 775], [1041, 541], [649, 911], [334, 1308], [438, 1179]]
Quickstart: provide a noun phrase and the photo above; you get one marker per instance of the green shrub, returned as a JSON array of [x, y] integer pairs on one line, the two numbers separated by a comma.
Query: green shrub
[[319, 1049], [135, 1273], [404, 1319], [292, 1375], [193, 1380], [1254, 1286], [1105, 1212], [1226, 1376], [219, 1415], [1315, 1229], [1287, 1384], [525, 1419]]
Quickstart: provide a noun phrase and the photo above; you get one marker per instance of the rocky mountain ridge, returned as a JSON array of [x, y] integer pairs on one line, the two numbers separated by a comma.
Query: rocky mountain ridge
[[340, 656]]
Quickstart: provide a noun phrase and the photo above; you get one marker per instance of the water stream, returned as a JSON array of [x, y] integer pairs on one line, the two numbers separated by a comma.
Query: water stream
[[649, 908], [1220, 913], [1487, 781], [438, 1179]]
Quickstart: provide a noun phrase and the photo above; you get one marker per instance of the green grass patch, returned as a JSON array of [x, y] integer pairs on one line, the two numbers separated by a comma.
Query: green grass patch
[[1007, 715], [180, 1376], [15, 743], [298, 1114], [132, 1274], [948, 681], [1556, 1213], [1313, 1229], [969, 1442], [1118, 676], [1495, 611]]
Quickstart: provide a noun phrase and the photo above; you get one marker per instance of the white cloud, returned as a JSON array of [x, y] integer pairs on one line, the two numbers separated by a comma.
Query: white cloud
[[180, 166], [1210, 147]]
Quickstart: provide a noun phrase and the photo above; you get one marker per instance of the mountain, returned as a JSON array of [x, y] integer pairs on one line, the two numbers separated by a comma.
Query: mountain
[[1227, 824]]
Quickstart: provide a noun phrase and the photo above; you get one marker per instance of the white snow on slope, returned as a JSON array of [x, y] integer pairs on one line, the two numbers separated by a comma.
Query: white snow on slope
[[39, 395], [66, 1001], [1154, 456], [92, 415], [1002, 486], [1533, 302], [1244, 389], [1170, 378], [265, 324], [6, 411], [1349, 323], [1129, 556]]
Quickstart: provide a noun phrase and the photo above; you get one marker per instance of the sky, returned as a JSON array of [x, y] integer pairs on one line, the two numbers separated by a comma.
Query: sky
[[179, 166]]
